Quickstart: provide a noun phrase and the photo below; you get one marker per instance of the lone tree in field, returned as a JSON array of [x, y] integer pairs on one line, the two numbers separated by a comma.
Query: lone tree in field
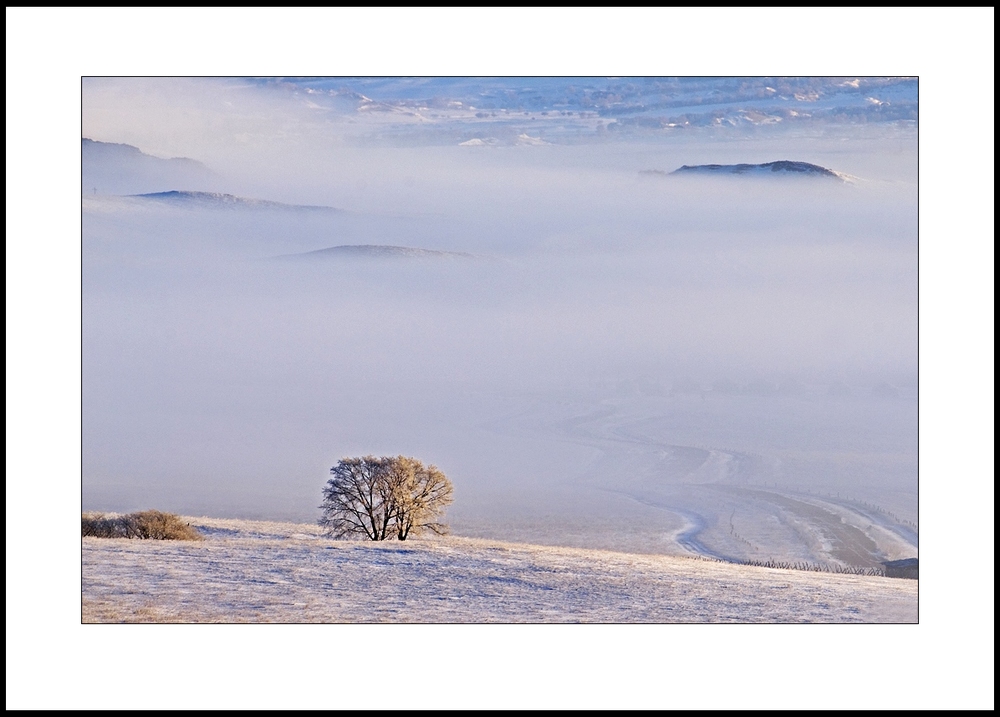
[[384, 497]]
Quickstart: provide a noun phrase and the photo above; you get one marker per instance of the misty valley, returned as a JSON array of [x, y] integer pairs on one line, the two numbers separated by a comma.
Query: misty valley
[[599, 352]]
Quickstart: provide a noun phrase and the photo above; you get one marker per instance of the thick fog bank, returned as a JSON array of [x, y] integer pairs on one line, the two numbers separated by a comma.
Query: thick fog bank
[[575, 341]]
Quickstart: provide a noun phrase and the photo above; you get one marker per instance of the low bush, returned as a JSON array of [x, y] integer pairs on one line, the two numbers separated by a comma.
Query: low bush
[[145, 525]]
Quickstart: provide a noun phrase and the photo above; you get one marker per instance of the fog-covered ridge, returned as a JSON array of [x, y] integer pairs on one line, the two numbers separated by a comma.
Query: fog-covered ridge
[[782, 167], [377, 251], [117, 168], [225, 201], [93, 148]]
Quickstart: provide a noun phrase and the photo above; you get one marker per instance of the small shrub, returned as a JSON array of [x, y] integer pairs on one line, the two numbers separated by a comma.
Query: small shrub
[[97, 525], [145, 525]]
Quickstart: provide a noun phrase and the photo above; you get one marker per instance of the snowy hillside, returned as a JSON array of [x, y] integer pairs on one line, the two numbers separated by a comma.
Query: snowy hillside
[[249, 571], [500, 110]]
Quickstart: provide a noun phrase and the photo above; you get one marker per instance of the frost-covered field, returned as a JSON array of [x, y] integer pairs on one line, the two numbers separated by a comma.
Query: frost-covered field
[[250, 571]]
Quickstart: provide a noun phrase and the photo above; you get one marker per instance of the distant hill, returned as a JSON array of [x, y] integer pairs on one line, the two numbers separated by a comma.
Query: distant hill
[[783, 167], [497, 110], [376, 251], [225, 201], [110, 168]]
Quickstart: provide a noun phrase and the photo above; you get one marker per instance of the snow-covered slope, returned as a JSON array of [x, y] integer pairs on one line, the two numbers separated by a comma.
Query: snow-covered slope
[[574, 109], [249, 571]]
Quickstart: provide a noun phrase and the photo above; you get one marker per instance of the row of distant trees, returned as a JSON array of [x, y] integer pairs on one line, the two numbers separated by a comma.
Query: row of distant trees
[[384, 497]]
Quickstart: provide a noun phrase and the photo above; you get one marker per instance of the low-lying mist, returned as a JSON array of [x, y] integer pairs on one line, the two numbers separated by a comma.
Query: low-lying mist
[[602, 317]]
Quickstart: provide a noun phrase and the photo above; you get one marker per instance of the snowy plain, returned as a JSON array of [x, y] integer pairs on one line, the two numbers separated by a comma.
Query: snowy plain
[[258, 571]]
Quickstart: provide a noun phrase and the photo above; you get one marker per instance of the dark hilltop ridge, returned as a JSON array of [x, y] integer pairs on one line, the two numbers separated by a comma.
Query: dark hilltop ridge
[[783, 167], [226, 201], [377, 251]]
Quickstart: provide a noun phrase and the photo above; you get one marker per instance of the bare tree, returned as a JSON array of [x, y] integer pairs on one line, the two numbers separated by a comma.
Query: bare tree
[[384, 497], [420, 495], [357, 500]]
